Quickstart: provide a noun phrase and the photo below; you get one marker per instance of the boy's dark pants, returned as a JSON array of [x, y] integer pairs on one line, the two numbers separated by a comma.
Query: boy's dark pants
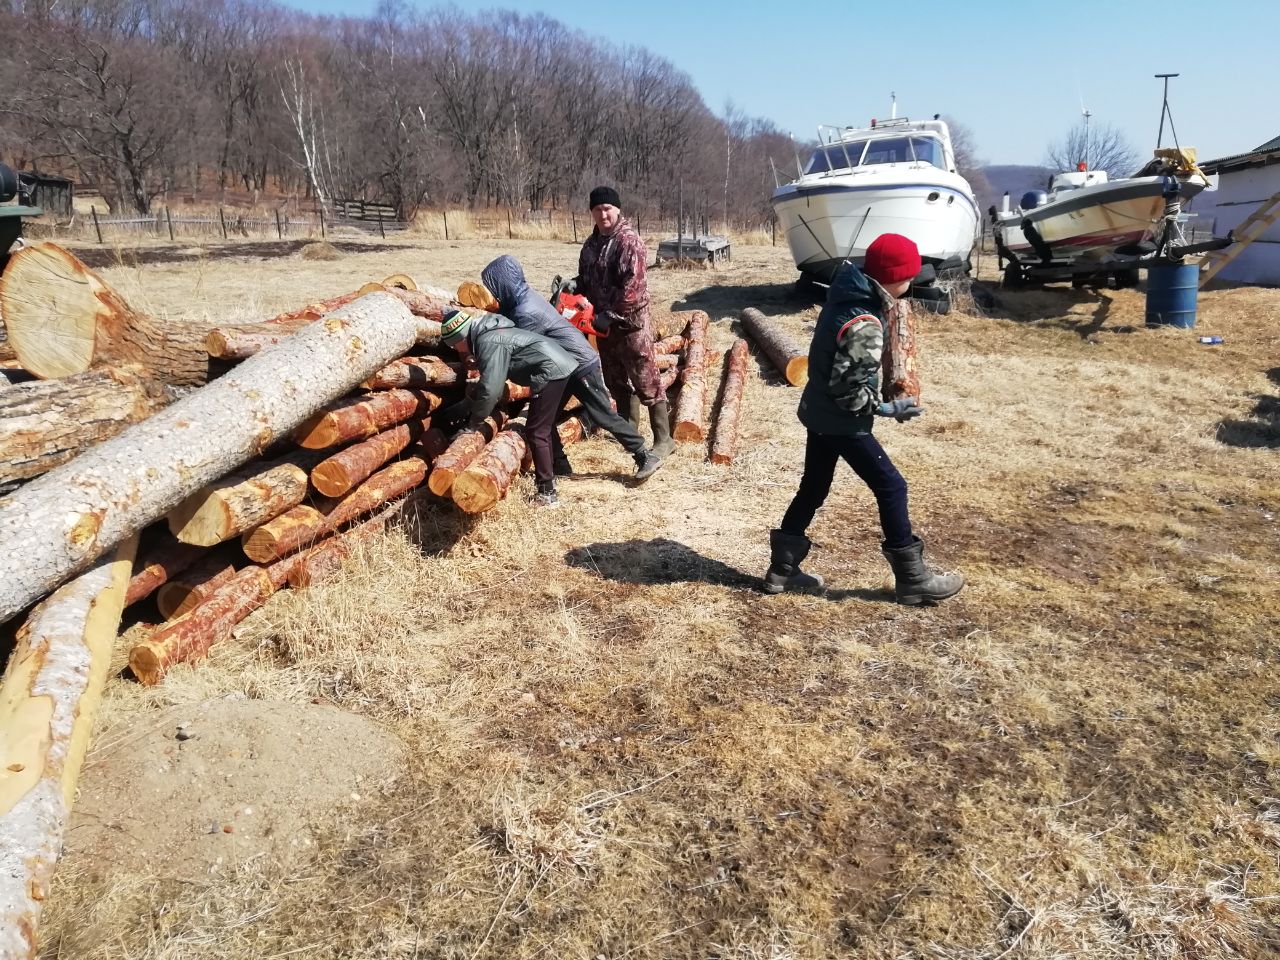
[[540, 427], [869, 461], [588, 386]]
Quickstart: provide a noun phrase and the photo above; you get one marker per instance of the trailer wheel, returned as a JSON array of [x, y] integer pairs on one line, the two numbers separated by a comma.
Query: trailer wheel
[[1126, 279], [1014, 278]]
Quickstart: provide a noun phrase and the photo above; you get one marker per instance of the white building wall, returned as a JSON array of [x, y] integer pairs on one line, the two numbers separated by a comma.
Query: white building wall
[[1239, 193]]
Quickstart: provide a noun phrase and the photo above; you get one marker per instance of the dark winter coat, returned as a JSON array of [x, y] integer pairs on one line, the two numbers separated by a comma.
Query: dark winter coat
[[504, 352], [844, 358], [522, 305], [611, 275]]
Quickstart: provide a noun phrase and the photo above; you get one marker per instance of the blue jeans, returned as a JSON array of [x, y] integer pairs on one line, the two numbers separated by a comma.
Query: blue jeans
[[869, 461]]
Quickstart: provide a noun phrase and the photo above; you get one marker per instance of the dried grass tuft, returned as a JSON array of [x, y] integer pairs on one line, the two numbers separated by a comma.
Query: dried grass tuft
[[322, 250]]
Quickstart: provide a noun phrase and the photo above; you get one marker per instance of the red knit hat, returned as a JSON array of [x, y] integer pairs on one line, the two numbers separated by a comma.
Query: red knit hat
[[891, 258]]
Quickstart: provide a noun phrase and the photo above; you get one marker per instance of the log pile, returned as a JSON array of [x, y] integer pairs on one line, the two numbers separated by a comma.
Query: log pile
[[790, 359]]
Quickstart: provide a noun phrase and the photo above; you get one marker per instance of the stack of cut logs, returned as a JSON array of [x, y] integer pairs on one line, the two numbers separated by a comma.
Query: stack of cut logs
[[206, 467]]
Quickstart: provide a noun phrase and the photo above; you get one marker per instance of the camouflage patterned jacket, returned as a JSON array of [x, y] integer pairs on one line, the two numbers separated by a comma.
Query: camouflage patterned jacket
[[844, 358], [611, 276]]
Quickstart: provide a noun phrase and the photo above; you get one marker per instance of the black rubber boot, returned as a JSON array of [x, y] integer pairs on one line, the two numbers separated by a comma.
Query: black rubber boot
[[561, 465], [915, 583], [634, 407], [787, 553], [660, 421]]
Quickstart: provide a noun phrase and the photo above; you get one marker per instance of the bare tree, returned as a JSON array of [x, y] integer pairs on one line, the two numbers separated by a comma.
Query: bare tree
[[1100, 145]]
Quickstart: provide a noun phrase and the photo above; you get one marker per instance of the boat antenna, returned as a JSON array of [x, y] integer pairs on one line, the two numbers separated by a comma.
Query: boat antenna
[[893, 105], [1087, 115], [1166, 112]]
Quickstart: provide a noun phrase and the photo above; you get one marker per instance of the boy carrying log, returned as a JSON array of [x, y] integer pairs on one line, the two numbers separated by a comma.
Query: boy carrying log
[[503, 352], [838, 407]]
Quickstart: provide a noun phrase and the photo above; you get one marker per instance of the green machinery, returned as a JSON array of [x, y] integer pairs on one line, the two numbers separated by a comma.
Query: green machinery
[[12, 188]]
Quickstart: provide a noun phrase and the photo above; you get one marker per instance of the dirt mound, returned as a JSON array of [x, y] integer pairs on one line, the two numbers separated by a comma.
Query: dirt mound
[[320, 251], [212, 784]]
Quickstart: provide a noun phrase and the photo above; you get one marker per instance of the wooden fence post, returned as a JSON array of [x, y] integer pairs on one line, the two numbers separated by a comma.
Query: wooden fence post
[[169, 219], [381, 229], [223, 220], [322, 233], [97, 228], [445, 214], [279, 229], [574, 217], [510, 235]]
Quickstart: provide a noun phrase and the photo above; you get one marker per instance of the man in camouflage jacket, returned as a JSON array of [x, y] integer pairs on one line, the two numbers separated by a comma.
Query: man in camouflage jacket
[[611, 275], [838, 408]]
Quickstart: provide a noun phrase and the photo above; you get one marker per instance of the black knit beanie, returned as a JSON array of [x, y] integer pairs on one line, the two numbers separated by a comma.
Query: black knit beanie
[[604, 195]]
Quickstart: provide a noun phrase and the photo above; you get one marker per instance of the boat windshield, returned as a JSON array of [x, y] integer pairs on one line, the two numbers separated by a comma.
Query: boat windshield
[[838, 156]]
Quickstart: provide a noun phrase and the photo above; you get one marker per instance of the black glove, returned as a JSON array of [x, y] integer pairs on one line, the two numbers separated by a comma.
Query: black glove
[[453, 413], [603, 321], [902, 410], [570, 285]]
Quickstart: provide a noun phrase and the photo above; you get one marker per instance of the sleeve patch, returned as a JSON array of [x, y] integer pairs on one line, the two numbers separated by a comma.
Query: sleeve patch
[[858, 319]]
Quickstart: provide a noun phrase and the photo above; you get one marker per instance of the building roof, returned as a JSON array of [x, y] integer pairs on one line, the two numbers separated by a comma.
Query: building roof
[[1264, 155]]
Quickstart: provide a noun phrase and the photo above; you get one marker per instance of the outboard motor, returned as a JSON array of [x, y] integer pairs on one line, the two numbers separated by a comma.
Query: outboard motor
[[1032, 199]]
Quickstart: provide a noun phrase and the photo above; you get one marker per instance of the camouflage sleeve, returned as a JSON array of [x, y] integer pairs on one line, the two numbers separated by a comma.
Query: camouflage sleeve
[[855, 371], [632, 290]]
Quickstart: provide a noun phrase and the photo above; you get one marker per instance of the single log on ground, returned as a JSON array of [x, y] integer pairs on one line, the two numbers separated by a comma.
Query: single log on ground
[[242, 341], [325, 559], [47, 422], [242, 500], [339, 473], [461, 452], [790, 359], [163, 560], [725, 441], [61, 522], [688, 412], [417, 372], [62, 319], [571, 430], [191, 635], [197, 582], [487, 479], [669, 345], [354, 418], [49, 698], [901, 363]]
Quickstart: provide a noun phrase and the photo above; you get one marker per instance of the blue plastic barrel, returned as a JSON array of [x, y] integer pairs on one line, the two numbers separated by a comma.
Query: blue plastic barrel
[[1171, 295]]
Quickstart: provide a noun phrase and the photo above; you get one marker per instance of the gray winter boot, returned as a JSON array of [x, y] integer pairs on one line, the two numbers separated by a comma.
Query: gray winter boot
[[660, 421], [787, 552], [915, 583]]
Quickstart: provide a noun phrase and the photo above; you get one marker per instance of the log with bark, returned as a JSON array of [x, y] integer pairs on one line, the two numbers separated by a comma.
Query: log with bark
[[243, 500], [58, 524], [63, 319], [338, 474], [477, 296], [665, 361], [49, 698], [790, 359], [163, 559], [282, 535], [197, 582], [487, 479], [725, 441], [901, 363], [669, 345], [668, 325], [242, 341], [464, 449], [417, 372], [688, 412], [325, 559], [47, 422], [667, 378], [358, 417]]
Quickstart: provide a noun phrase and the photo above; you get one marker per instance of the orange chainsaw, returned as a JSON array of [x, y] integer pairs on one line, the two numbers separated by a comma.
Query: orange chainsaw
[[574, 307]]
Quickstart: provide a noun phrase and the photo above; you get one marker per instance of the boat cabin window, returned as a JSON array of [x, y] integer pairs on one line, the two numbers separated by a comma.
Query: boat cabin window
[[905, 150], [833, 158]]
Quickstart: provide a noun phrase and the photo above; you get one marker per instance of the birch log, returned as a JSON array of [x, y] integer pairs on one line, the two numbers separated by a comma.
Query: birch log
[[688, 412], [49, 698], [47, 422], [725, 441], [487, 479], [242, 500], [63, 319], [417, 372], [790, 359], [59, 523]]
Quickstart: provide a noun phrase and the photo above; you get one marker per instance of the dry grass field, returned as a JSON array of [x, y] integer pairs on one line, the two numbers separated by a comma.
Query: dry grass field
[[615, 747]]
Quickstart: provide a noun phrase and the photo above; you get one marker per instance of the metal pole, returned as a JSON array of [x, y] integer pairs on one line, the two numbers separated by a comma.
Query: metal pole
[[279, 229], [169, 219], [223, 220], [1164, 106], [96, 227]]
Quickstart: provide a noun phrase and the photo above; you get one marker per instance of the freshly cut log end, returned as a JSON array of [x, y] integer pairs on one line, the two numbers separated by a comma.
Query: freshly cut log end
[[243, 341], [400, 281], [725, 443], [340, 473], [190, 637], [283, 535], [242, 501], [461, 452], [354, 418], [62, 319], [193, 585], [163, 561], [485, 482], [385, 485], [476, 296], [786, 355]]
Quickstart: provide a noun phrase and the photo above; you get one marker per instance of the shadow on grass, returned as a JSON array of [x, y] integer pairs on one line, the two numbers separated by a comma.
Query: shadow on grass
[[1262, 431], [722, 301], [650, 562]]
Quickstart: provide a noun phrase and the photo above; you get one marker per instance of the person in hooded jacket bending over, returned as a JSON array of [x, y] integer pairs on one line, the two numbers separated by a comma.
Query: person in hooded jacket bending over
[[503, 352], [838, 407], [517, 301]]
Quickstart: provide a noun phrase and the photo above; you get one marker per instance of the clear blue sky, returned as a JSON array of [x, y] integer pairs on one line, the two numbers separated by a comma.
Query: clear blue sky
[[1013, 72]]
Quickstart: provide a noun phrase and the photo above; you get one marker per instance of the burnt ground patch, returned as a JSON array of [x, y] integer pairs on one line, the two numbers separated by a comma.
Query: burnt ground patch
[[97, 257]]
